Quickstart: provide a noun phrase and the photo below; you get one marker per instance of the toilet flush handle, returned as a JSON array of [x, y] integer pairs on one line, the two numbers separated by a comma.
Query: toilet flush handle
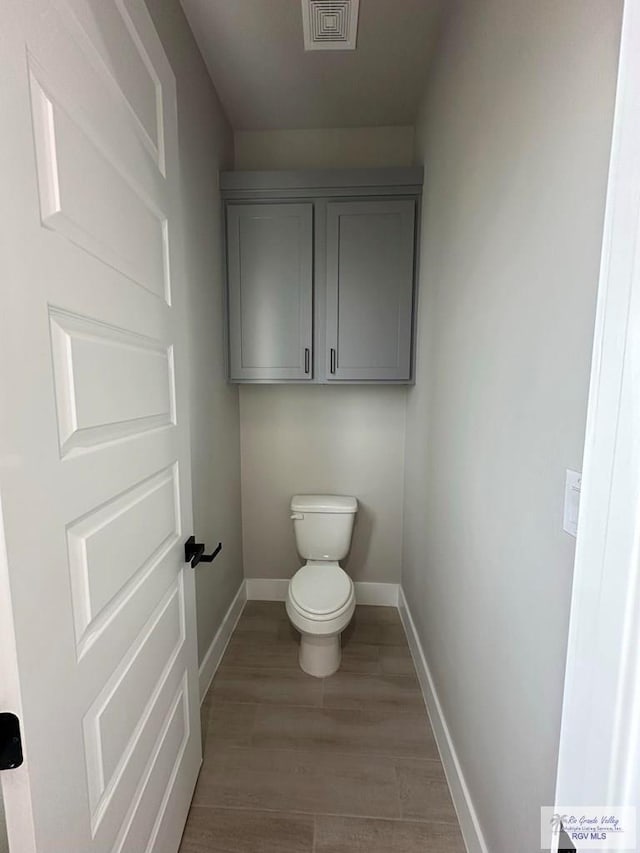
[[297, 516]]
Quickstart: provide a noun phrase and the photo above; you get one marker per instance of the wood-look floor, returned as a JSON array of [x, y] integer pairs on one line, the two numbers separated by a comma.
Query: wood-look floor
[[295, 764]]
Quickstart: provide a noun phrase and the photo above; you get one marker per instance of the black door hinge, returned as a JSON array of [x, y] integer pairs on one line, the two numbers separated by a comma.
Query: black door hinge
[[10, 742]]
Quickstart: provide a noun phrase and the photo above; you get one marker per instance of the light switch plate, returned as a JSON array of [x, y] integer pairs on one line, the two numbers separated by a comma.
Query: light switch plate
[[573, 484]]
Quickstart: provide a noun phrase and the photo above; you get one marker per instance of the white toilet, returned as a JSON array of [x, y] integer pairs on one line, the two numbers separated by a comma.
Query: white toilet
[[321, 596]]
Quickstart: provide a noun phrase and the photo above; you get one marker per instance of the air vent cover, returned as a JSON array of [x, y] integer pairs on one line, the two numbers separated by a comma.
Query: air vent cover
[[330, 24]]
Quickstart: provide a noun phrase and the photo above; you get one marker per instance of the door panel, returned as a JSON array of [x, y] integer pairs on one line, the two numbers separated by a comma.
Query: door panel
[[85, 197], [114, 548], [370, 251], [270, 263], [114, 723], [89, 356], [97, 611]]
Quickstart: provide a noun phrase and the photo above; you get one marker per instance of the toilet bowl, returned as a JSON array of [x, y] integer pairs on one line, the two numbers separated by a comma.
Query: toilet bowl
[[321, 595]]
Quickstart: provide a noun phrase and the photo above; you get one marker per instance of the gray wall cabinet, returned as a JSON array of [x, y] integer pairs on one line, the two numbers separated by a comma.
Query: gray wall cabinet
[[369, 289], [270, 276], [321, 271]]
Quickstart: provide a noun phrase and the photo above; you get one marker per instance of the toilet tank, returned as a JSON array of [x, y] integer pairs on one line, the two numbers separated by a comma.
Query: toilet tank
[[322, 525]]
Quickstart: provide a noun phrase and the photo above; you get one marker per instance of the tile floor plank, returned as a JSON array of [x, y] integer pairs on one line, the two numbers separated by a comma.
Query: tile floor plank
[[262, 618], [396, 660], [230, 724], [346, 690], [228, 831], [424, 793], [379, 626], [298, 781], [356, 835], [372, 731], [432, 837], [374, 614], [274, 610], [362, 658], [259, 651], [262, 685], [362, 835]]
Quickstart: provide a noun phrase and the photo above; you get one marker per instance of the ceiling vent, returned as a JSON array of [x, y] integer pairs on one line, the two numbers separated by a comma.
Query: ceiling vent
[[330, 24]]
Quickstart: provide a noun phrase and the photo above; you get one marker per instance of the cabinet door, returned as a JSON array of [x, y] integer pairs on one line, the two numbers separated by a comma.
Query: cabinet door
[[370, 263], [270, 275]]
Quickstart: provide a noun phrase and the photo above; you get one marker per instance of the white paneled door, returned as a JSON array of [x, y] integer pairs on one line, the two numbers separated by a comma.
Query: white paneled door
[[97, 623]]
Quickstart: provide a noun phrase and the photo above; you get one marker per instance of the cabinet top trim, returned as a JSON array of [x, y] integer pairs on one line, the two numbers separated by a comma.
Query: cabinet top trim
[[323, 181]]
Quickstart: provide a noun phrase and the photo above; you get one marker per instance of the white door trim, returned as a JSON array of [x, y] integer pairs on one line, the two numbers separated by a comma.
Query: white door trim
[[599, 753]]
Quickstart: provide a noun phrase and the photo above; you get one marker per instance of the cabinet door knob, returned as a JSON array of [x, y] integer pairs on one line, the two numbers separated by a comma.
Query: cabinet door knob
[[307, 359], [332, 365]]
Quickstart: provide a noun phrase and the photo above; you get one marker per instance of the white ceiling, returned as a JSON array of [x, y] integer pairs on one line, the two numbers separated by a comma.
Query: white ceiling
[[255, 54]]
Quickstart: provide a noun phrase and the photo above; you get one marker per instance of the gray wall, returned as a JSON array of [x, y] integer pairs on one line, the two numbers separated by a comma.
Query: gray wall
[[515, 137], [347, 440], [341, 147], [206, 145]]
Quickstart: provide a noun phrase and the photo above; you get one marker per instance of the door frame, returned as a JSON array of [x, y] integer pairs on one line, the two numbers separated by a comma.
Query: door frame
[[599, 750]]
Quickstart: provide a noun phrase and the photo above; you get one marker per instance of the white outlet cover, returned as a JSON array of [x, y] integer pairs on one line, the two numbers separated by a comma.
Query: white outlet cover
[[572, 487]]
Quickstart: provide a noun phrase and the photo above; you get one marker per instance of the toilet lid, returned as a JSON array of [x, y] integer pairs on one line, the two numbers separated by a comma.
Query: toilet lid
[[320, 589]]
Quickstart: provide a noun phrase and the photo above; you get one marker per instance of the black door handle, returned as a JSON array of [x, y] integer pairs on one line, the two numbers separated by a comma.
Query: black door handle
[[194, 552], [10, 742]]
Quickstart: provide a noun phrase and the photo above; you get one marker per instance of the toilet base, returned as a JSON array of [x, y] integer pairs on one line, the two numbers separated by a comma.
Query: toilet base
[[319, 656]]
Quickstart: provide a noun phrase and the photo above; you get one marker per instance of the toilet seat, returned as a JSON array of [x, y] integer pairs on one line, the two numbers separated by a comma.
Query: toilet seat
[[321, 601], [321, 593]]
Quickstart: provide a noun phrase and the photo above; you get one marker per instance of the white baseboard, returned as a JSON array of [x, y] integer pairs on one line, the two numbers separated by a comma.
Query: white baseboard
[[275, 589], [469, 823], [267, 589], [384, 594], [212, 658]]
